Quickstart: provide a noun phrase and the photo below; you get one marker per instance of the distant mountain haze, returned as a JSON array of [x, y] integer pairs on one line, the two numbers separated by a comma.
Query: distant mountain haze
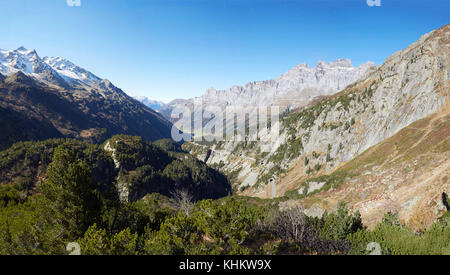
[[151, 103]]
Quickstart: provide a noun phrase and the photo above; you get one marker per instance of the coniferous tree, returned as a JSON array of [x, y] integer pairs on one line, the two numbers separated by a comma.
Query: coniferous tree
[[72, 196]]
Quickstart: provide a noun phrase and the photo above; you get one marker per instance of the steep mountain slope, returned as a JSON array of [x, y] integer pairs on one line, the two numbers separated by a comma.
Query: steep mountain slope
[[52, 97], [71, 72], [296, 88], [55, 70], [29, 62], [408, 173], [411, 85]]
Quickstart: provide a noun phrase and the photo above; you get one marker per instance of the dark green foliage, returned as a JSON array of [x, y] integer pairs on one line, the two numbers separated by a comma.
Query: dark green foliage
[[148, 169], [337, 226], [75, 203], [232, 225], [145, 167], [201, 180], [446, 201], [315, 155], [347, 126], [25, 163], [24, 160], [295, 148], [73, 198], [168, 145], [288, 150], [79, 190], [398, 239], [391, 219], [24, 230], [133, 152], [213, 228], [96, 241], [9, 194], [317, 167], [145, 180], [300, 234]]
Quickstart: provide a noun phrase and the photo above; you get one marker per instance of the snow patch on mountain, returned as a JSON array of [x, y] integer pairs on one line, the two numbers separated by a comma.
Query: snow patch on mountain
[[70, 72], [55, 70], [151, 103]]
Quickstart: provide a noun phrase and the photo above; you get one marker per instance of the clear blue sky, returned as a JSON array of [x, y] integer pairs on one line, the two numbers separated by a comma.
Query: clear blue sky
[[167, 49]]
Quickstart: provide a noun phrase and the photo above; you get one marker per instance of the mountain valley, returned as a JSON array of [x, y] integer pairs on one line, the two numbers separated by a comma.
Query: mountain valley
[[326, 135], [362, 157]]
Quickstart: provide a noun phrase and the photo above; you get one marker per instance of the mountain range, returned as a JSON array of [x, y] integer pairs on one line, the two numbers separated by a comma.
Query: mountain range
[[52, 97], [374, 137], [314, 160], [296, 88], [54, 70], [151, 103]]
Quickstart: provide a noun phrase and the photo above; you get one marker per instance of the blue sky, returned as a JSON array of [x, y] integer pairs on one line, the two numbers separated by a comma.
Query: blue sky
[[166, 49]]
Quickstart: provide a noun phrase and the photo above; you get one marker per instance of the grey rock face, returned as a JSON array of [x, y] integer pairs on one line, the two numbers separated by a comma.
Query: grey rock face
[[71, 72], [296, 88], [412, 84]]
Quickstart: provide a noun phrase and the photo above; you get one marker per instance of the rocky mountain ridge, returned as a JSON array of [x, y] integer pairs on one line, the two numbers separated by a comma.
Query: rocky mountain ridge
[[296, 88], [54, 70], [411, 85], [52, 97]]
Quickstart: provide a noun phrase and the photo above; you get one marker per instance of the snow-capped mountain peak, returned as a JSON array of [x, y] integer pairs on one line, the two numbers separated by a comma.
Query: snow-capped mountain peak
[[21, 49], [12, 61], [151, 103], [71, 72], [55, 70]]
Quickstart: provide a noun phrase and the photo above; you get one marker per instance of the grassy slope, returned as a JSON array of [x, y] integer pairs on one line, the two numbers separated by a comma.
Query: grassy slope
[[406, 173]]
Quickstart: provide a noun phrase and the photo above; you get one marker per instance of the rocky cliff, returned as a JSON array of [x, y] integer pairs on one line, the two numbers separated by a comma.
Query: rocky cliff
[[411, 85], [296, 88]]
